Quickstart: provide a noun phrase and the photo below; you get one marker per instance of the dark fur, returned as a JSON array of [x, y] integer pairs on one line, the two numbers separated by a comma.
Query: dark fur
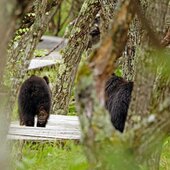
[[46, 79], [118, 94], [34, 99]]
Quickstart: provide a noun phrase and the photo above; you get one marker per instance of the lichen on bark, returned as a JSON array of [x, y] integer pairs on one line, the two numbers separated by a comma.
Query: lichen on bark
[[72, 55]]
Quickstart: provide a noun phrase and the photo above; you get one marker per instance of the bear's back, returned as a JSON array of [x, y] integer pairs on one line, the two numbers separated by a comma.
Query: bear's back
[[34, 93], [118, 94]]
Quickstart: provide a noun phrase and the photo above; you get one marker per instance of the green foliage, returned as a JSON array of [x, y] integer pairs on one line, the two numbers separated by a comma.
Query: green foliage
[[48, 156], [165, 157], [40, 53], [162, 61], [115, 159], [72, 106], [119, 72], [64, 19], [68, 155], [65, 8]]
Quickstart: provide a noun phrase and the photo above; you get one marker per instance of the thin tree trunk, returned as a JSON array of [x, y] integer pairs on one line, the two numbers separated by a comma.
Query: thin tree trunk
[[72, 55]]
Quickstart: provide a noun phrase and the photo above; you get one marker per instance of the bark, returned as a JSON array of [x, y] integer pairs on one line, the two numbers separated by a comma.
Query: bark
[[22, 51], [144, 75], [97, 132], [140, 146], [11, 11], [128, 57], [72, 55], [109, 8], [76, 7], [107, 12], [112, 47], [152, 88]]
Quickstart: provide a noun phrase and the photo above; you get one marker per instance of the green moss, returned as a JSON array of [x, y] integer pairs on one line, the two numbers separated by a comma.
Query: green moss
[[62, 69]]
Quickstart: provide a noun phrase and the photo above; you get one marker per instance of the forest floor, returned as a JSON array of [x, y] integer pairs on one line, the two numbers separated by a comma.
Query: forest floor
[[61, 155]]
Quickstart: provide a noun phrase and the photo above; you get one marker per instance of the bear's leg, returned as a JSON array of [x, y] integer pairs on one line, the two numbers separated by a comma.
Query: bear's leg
[[42, 117], [28, 120]]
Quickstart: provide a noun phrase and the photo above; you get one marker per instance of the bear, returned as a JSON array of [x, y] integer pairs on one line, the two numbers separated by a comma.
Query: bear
[[34, 98], [117, 99]]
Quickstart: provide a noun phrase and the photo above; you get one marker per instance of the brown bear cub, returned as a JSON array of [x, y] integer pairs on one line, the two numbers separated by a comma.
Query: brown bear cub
[[34, 99], [118, 94]]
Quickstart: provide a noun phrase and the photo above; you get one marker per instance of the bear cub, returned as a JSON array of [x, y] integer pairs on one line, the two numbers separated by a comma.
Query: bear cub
[[117, 99], [34, 99]]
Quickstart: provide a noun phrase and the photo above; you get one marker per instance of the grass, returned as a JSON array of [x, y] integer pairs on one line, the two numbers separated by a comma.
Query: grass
[[48, 156], [165, 157], [65, 155]]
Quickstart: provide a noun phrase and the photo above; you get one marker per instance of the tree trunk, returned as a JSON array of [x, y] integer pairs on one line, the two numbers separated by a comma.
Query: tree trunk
[[20, 55], [7, 29], [107, 12], [97, 132], [145, 77], [76, 7], [72, 55], [128, 57], [151, 87], [141, 144]]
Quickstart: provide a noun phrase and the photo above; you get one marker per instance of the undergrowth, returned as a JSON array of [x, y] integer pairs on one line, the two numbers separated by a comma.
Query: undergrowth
[[65, 155]]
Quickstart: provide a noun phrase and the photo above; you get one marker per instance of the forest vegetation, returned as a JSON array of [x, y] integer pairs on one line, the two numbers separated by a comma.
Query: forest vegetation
[[97, 40]]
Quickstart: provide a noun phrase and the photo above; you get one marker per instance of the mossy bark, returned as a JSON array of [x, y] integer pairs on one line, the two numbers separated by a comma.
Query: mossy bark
[[128, 58], [146, 66], [151, 85], [108, 8], [72, 55]]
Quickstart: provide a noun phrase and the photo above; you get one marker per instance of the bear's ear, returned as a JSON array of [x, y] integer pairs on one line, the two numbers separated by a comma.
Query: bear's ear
[[46, 80]]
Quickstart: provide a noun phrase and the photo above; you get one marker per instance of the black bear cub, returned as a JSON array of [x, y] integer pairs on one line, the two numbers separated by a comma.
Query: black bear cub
[[118, 94], [34, 99]]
